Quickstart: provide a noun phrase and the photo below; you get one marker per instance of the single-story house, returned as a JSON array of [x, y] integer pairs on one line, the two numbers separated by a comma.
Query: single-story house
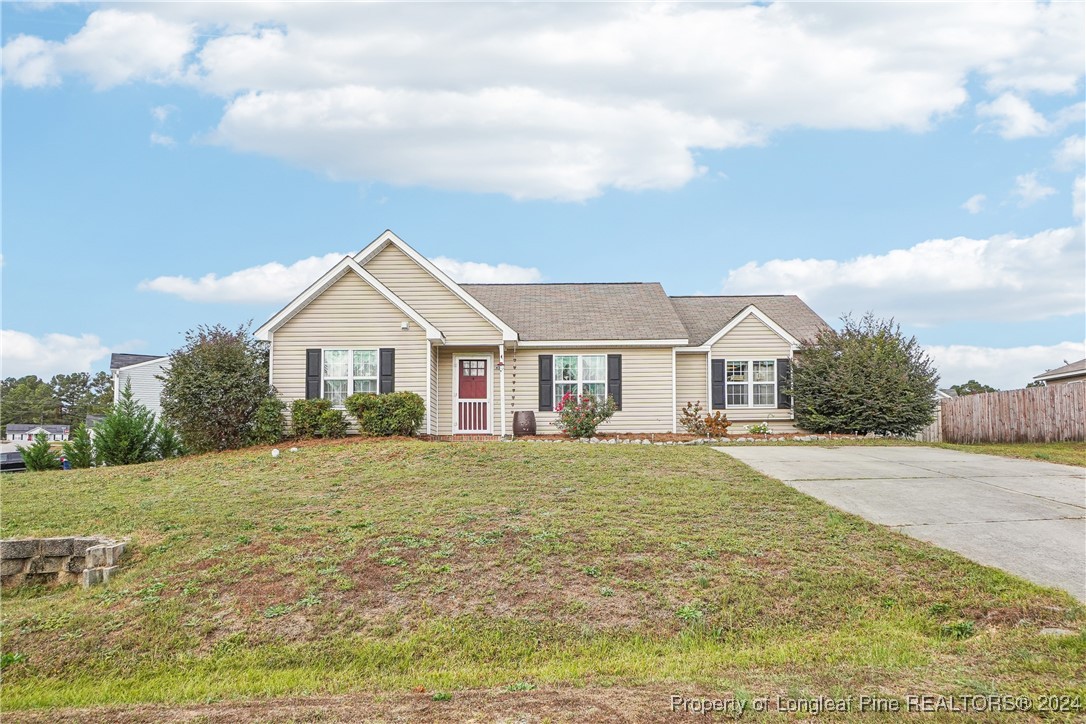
[[1074, 372], [142, 372], [20, 432], [387, 318]]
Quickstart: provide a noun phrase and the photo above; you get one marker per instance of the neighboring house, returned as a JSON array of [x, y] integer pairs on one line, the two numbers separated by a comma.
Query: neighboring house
[[946, 393], [1074, 372], [27, 433], [388, 319], [142, 372]]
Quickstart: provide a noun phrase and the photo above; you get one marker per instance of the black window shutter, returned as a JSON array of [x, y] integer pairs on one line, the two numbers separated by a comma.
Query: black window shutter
[[719, 398], [546, 383], [784, 380], [312, 374], [387, 370], [614, 378]]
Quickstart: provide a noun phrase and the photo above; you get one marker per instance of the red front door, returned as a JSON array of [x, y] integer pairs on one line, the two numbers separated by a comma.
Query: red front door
[[472, 412]]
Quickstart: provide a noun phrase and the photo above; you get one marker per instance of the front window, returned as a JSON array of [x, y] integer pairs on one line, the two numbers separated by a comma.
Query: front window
[[347, 371], [579, 375], [751, 383]]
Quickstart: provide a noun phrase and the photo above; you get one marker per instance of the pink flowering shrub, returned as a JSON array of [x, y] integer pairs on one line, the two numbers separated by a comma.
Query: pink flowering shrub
[[580, 416]]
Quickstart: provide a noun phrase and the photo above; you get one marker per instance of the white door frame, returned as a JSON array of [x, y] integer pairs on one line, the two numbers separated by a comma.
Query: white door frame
[[489, 357]]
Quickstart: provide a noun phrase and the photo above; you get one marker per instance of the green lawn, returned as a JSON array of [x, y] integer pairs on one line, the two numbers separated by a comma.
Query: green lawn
[[380, 567], [1067, 453]]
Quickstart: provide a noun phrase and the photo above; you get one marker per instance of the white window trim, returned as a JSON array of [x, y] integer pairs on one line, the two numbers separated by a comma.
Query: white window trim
[[489, 393], [580, 381], [749, 384], [350, 369]]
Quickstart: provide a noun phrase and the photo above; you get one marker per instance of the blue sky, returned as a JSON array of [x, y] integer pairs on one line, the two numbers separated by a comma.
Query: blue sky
[[841, 152]]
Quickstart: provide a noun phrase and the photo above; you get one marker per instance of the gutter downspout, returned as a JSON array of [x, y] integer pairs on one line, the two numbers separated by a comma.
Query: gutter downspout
[[501, 385]]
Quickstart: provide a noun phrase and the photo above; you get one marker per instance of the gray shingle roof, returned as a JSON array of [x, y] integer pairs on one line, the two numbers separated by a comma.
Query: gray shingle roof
[[705, 316], [120, 359], [51, 429], [582, 311], [1066, 370]]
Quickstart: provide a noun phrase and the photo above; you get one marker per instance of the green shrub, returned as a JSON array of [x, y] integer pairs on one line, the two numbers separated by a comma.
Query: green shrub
[[80, 448], [267, 426], [332, 423], [167, 442], [305, 416], [39, 455], [394, 413], [213, 387], [580, 416]]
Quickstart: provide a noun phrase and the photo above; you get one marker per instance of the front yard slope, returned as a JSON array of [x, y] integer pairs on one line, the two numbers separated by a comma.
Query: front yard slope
[[386, 566]]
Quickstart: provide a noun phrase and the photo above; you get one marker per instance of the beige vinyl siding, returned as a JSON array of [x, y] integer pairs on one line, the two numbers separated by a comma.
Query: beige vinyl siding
[[433, 300], [646, 388], [752, 339], [349, 314], [691, 381]]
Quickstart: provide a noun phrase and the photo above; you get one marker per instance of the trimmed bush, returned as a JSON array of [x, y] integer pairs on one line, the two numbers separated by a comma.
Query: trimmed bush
[[316, 418], [332, 423], [267, 426], [580, 416], [305, 416], [394, 413]]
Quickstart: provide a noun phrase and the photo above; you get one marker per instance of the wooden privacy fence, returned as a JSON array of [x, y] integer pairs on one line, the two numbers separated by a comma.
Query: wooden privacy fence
[[1054, 413]]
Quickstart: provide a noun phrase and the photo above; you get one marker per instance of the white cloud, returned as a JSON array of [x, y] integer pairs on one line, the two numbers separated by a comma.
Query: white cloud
[[937, 281], [1006, 368], [160, 139], [542, 146], [1070, 155], [162, 113], [24, 354], [272, 282], [1014, 117], [1078, 197], [473, 272], [275, 282], [542, 101], [1029, 190], [113, 47], [975, 203]]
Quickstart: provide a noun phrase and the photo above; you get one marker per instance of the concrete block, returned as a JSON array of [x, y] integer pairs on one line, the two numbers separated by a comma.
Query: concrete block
[[92, 577], [107, 573], [18, 548], [9, 566], [76, 564], [41, 579], [114, 553], [80, 545], [96, 556], [11, 580], [56, 546], [51, 564]]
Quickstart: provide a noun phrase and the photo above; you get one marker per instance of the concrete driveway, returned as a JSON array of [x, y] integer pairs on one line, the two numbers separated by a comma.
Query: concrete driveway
[[1026, 517]]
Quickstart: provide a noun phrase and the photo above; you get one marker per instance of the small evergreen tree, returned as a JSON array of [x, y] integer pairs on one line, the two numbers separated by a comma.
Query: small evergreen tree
[[39, 455], [126, 435], [866, 378], [167, 443], [214, 386], [80, 448]]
